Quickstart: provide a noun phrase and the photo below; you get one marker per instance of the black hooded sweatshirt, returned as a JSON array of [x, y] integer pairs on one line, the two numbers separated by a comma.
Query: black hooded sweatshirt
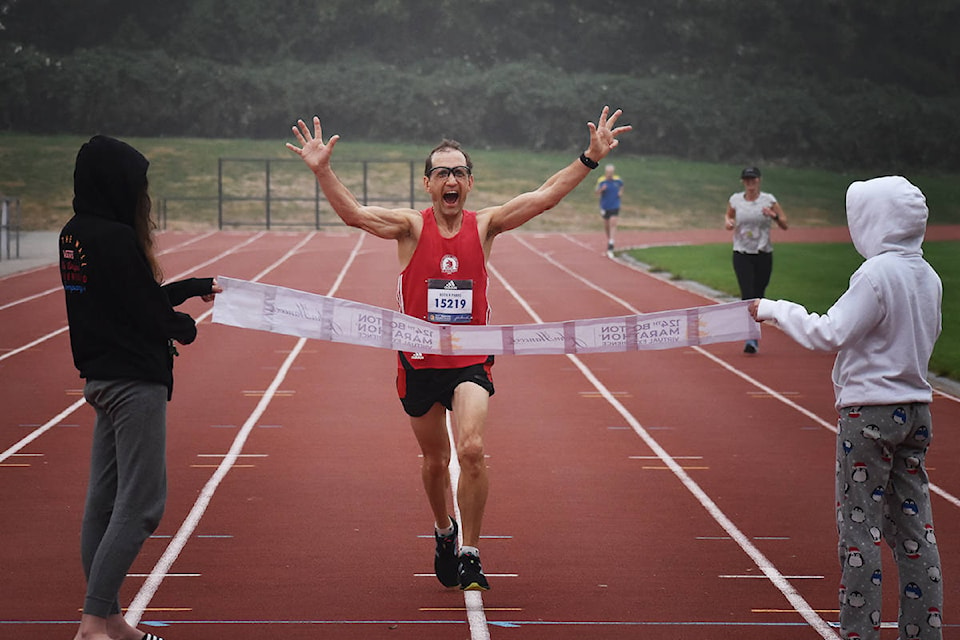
[[121, 320]]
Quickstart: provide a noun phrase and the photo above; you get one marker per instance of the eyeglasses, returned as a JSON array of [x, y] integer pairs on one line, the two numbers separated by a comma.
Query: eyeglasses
[[443, 173]]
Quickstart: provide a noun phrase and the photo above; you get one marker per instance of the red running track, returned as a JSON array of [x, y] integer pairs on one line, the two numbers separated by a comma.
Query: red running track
[[684, 493]]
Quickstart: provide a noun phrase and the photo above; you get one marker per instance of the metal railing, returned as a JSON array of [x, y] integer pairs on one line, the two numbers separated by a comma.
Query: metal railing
[[273, 194], [9, 227], [276, 193]]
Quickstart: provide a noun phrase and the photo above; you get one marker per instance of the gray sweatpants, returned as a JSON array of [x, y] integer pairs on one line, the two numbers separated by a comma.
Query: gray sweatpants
[[128, 484], [883, 494]]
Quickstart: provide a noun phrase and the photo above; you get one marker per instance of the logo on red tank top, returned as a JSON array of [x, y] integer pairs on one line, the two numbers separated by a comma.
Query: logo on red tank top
[[449, 264]]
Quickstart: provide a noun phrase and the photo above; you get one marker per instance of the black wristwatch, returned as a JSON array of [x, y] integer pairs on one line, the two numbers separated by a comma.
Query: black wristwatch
[[590, 164]]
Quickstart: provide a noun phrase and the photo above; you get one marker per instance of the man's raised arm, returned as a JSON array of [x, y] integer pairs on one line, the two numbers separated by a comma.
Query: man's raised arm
[[379, 221], [603, 139]]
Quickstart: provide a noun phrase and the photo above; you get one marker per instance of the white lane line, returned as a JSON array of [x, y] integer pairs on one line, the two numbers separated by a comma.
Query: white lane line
[[935, 488], [289, 254], [36, 433], [944, 394], [476, 618], [224, 455], [483, 537], [25, 272], [781, 538], [797, 601], [55, 289], [579, 243], [747, 577], [172, 552], [943, 493], [180, 275], [489, 575], [30, 345], [31, 297]]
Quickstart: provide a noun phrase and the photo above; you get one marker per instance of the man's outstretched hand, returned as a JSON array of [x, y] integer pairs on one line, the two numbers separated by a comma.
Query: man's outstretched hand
[[312, 150], [603, 135]]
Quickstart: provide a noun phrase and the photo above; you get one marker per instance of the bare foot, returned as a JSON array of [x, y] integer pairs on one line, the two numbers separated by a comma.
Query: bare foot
[[92, 628], [119, 629]]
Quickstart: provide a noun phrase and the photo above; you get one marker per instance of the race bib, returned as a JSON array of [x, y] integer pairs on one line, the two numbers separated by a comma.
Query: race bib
[[449, 301]]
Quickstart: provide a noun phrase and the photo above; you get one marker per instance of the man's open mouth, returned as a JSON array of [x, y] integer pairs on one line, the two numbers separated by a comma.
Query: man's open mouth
[[451, 197]]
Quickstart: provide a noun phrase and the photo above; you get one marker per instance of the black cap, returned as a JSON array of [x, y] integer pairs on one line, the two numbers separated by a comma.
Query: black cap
[[750, 172]]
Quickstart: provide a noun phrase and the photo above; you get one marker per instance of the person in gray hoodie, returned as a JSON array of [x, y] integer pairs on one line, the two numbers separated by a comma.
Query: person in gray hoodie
[[883, 329]]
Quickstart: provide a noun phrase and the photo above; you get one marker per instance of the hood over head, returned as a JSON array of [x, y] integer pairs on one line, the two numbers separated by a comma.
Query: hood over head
[[886, 214], [108, 179]]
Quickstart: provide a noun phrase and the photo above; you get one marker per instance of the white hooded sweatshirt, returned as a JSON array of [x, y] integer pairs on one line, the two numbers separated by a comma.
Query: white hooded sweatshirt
[[886, 323]]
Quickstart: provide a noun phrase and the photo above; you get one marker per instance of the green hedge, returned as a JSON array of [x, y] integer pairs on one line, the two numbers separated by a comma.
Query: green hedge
[[797, 121]]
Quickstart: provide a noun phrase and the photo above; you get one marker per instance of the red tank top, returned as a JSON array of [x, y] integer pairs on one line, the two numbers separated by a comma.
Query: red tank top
[[445, 283]]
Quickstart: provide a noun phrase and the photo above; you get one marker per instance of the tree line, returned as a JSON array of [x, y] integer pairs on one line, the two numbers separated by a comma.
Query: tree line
[[816, 82]]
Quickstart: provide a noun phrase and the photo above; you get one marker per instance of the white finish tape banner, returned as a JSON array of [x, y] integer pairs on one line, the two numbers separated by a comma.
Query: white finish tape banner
[[253, 305]]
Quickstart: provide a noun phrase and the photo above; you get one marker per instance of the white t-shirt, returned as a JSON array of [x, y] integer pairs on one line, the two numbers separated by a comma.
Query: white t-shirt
[[752, 231]]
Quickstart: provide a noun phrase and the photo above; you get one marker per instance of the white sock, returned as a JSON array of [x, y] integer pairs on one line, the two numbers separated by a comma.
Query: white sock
[[471, 550], [444, 532]]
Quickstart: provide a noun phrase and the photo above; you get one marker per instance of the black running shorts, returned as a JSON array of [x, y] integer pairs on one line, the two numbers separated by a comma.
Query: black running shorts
[[420, 389]]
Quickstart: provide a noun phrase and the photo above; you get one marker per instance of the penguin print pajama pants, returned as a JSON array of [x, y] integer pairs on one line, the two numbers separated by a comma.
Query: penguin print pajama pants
[[883, 496]]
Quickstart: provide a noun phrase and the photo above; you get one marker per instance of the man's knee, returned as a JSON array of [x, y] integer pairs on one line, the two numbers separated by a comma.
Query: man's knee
[[470, 453], [436, 463]]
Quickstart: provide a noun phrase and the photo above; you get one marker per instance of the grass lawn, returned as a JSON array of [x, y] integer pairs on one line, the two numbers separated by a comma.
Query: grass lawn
[[815, 275], [661, 193]]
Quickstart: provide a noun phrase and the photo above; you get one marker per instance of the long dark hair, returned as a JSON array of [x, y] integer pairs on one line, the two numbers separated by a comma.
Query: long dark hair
[[143, 227]]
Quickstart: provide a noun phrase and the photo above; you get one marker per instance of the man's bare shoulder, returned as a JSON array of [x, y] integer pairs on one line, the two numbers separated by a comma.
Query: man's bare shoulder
[[415, 219], [484, 219], [407, 242]]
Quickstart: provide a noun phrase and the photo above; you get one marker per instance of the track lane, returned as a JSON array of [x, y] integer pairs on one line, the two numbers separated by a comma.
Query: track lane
[[603, 362], [560, 474], [789, 463], [375, 301]]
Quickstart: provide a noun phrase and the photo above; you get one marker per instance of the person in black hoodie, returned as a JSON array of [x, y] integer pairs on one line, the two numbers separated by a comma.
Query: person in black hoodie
[[122, 331]]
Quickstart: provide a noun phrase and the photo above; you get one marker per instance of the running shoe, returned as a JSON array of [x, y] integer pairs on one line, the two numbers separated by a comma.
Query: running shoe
[[471, 574], [751, 346], [445, 561]]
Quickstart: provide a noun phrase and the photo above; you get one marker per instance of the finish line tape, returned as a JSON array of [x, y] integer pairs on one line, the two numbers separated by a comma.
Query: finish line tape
[[265, 307]]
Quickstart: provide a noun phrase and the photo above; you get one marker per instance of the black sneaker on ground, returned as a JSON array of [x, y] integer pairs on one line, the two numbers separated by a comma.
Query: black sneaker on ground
[[751, 346], [471, 574], [446, 564]]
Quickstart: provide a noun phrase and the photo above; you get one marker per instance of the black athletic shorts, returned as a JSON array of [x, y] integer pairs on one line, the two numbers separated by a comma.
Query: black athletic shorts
[[609, 213], [420, 389]]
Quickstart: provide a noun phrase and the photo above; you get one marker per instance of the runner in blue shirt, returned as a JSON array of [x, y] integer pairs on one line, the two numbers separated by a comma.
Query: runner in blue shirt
[[610, 188]]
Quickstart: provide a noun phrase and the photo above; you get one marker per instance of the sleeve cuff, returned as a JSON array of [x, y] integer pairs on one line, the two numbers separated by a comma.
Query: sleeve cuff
[[766, 310]]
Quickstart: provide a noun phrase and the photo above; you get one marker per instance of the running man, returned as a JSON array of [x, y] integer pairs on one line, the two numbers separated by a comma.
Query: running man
[[443, 252], [610, 188]]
